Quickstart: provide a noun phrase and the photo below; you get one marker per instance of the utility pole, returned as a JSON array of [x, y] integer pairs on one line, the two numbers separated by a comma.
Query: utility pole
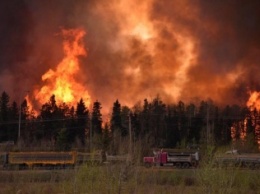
[[130, 133], [130, 137], [91, 106], [19, 125], [90, 134], [207, 124]]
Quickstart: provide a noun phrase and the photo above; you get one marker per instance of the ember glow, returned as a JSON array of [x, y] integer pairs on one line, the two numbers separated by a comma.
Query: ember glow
[[62, 82], [254, 101], [241, 127], [253, 104]]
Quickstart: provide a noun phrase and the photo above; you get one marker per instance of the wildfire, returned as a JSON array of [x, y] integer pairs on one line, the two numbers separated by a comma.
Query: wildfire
[[254, 101], [62, 81], [185, 58]]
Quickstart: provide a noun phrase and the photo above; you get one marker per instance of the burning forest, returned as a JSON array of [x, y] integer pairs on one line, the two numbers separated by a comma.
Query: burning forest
[[62, 82], [93, 53]]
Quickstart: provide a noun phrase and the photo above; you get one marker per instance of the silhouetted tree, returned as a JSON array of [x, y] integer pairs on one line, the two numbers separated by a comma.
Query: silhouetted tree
[[125, 114], [227, 122], [158, 125], [82, 116], [71, 123], [135, 124], [25, 122], [194, 124], [50, 119], [145, 117], [183, 124], [4, 117], [96, 119], [62, 140], [172, 133], [106, 138], [14, 116], [116, 120]]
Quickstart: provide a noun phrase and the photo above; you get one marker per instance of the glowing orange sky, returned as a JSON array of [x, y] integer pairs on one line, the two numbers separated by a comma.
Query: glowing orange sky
[[180, 50]]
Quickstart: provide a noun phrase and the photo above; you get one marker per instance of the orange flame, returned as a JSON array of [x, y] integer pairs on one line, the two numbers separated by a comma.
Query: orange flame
[[254, 101], [61, 82]]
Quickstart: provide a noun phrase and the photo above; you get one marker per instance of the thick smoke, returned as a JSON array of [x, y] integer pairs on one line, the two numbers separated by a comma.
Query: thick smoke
[[180, 50]]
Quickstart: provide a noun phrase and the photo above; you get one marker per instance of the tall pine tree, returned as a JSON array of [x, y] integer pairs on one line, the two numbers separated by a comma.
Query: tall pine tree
[[4, 117], [116, 121], [96, 119], [82, 116]]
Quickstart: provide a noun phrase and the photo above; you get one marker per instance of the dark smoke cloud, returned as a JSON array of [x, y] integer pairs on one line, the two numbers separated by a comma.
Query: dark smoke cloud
[[125, 67], [234, 44], [227, 35], [15, 46], [16, 22]]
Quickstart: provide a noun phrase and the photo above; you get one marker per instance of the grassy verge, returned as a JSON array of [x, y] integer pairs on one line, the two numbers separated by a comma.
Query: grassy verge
[[122, 178]]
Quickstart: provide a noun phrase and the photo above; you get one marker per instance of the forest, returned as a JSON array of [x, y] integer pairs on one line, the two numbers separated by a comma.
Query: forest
[[151, 122]]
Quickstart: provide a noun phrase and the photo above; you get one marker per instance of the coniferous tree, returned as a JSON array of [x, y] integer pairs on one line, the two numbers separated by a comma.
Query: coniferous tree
[[172, 133], [54, 121], [49, 119], [62, 142], [158, 125], [227, 123], [96, 119], [126, 116], [24, 122], [145, 119], [71, 123], [4, 117], [182, 121], [135, 124], [251, 121], [61, 122], [82, 116], [106, 139], [136, 120], [116, 120], [250, 136], [193, 123], [162, 126], [14, 116], [217, 127], [203, 116]]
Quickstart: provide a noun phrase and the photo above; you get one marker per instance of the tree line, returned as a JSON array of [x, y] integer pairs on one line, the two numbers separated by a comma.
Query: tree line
[[153, 122]]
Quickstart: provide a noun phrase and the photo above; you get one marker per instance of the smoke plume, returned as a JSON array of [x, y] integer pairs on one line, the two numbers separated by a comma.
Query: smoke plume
[[180, 50]]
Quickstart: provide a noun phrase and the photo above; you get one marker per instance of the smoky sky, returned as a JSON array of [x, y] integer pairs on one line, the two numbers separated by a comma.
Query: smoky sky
[[187, 50]]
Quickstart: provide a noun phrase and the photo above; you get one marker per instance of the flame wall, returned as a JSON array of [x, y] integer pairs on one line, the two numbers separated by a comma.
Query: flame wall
[[181, 50]]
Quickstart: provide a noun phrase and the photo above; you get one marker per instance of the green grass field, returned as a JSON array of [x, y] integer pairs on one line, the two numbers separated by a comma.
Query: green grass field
[[122, 178]]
